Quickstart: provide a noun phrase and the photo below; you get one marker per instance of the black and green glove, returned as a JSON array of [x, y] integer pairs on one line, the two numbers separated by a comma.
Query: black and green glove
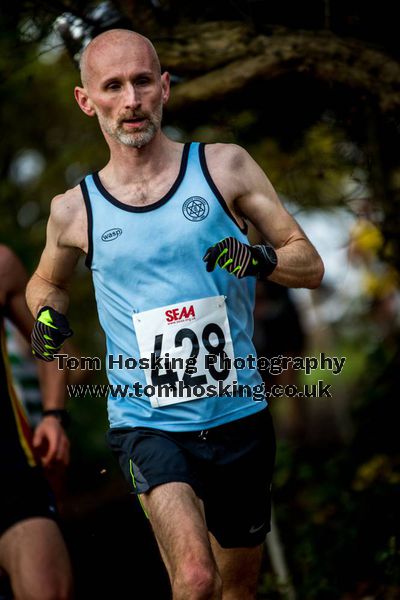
[[50, 331], [241, 259]]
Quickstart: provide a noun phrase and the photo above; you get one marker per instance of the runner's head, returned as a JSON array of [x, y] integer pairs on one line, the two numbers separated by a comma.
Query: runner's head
[[122, 84]]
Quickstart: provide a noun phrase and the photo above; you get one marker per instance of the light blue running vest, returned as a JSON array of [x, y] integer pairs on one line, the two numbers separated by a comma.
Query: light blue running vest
[[145, 257]]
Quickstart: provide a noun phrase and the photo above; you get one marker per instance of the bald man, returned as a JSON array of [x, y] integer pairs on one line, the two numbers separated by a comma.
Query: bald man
[[163, 227]]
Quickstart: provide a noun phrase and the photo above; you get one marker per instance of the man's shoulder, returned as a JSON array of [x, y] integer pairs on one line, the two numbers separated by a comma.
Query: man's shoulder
[[230, 156], [67, 205]]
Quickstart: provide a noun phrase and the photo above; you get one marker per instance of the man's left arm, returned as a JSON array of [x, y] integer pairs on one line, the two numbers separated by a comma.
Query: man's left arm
[[49, 435], [299, 264], [287, 256]]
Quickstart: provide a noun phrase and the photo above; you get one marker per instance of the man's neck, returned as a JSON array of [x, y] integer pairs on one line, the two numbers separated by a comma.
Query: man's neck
[[128, 165]]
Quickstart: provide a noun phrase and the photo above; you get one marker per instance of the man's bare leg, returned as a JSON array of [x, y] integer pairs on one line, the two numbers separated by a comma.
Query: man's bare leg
[[177, 517], [35, 557], [239, 569]]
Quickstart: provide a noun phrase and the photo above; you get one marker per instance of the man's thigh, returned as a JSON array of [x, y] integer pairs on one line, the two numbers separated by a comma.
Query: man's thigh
[[35, 557], [177, 517]]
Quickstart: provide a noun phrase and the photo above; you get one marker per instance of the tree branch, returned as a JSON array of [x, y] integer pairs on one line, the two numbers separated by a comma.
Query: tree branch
[[322, 56]]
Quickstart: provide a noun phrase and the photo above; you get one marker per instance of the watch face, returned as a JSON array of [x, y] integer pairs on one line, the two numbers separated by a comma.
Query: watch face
[[269, 260], [271, 255]]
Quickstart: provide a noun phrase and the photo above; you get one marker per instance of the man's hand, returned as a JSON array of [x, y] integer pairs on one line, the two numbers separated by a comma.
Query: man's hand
[[241, 260], [51, 441], [50, 331]]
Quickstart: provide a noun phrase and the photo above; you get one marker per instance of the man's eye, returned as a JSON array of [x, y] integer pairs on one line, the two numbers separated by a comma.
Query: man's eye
[[113, 86], [143, 81]]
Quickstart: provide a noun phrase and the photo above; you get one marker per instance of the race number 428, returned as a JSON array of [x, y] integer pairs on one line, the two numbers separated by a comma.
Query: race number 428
[[193, 330]]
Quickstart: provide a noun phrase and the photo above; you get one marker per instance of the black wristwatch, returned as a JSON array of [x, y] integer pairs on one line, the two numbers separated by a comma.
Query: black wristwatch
[[269, 260], [60, 413]]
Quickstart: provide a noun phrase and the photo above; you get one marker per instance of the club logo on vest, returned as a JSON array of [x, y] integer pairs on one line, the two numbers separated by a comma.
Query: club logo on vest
[[111, 234], [195, 208]]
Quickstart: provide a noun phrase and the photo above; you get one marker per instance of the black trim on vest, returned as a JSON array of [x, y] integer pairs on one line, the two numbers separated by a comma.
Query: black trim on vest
[[85, 192], [154, 205], [221, 199]]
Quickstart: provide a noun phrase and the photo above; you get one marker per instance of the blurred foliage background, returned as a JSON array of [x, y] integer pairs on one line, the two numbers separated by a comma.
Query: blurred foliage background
[[312, 90]]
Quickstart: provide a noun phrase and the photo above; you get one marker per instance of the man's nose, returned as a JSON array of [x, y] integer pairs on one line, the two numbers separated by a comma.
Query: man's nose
[[131, 98]]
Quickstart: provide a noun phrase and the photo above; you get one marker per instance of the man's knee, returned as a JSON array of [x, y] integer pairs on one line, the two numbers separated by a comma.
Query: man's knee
[[198, 582]]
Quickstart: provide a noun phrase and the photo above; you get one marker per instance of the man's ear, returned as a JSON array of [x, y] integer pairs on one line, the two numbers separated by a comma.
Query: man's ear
[[84, 101], [165, 84]]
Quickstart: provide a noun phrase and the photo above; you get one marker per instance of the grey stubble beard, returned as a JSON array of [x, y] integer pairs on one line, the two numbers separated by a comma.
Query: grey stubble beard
[[133, 139]]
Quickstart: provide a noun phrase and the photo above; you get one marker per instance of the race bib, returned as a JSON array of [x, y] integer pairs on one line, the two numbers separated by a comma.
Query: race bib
[[187, 345]]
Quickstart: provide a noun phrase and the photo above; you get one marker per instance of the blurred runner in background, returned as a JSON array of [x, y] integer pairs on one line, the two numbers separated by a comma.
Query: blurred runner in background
[[32, 550]]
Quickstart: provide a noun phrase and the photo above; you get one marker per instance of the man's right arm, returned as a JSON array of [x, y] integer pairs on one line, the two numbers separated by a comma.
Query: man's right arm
[[65, 241]]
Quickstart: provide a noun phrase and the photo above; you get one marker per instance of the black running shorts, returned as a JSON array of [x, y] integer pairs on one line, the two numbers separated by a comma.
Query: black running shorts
[[25, 494], [229, 467]]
